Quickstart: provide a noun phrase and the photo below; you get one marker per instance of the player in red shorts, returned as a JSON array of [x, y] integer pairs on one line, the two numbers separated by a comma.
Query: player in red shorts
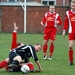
[[50, 22], [69, 24], [15, 45]]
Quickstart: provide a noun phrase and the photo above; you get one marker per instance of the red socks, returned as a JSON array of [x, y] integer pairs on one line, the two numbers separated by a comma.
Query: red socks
[[6, 67], [44, 49], [71, 55], [51, 49], [4, 64]]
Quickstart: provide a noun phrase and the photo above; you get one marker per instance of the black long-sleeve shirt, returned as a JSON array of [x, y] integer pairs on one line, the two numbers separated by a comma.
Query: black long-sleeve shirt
[[25, 52]]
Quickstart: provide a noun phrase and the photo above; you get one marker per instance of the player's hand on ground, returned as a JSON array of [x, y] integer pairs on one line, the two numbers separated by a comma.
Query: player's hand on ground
[[36, 71], [40, 68]]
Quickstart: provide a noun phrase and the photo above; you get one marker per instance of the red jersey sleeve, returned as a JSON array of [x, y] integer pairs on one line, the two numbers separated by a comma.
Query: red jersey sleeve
[[43, 20], [66, 22], [60, 21], [14, 40]]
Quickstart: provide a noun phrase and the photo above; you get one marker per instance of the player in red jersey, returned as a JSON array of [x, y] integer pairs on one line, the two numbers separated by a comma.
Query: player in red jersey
[[69, 24], [50, 22], [16, 45], [13, 45]]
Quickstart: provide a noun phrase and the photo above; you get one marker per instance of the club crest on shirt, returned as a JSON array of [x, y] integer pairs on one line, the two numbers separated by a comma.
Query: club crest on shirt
[[72, 18], [50, 18]]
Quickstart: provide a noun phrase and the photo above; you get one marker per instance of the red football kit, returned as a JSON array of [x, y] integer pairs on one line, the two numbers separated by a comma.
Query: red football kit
[[14, 45], [14, 40], [50, 29], [50, 25], [70, 24], [31, 66]]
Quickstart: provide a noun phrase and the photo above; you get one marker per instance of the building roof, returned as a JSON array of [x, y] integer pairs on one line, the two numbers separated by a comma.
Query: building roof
[[34, 4], [18, 3]]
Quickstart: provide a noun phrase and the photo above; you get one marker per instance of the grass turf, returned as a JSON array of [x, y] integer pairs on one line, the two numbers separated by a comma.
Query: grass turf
[[57, 66]]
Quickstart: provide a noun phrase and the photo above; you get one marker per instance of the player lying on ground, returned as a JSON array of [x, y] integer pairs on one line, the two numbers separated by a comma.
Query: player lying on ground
[[14, 45], [19, 68]]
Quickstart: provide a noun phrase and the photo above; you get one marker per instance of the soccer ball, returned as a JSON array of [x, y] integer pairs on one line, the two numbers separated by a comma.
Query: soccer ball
[[25, 69]]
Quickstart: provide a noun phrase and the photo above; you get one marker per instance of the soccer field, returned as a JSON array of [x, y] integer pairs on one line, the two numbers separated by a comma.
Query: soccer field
[[57, 66]]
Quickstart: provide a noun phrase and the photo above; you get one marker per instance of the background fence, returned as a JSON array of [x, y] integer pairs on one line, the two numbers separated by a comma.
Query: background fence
[[10, 14]]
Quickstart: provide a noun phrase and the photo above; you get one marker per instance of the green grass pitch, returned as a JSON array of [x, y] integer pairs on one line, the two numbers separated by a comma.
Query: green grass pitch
[[57, 66]]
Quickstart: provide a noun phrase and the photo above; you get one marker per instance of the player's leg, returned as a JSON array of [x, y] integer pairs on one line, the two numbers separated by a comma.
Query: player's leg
[[45, 45], [14, 37], [18, 69], [51, 49], [71, 41], [15, 59], [14, 41], [31, 66], [52, 38], [70, 52], [4, 63], [15, 69]]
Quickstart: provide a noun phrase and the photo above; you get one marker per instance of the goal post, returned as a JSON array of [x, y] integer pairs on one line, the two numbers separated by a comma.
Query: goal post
[[23, 4]]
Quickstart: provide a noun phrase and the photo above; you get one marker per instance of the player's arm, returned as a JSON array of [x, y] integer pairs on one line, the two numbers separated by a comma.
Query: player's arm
[[59, 21], [66, 22], [39, 66], [44, 20], [14, 37], [36, 60]]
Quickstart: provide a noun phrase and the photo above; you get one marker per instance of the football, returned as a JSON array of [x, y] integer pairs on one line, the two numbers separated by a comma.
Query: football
[[25, 69]]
